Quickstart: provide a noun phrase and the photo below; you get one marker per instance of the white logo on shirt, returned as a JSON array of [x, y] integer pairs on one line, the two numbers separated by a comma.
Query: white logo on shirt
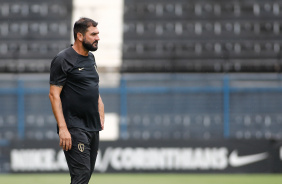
[[80, 69]]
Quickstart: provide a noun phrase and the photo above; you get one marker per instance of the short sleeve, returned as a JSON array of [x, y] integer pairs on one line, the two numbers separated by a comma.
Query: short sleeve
[[58, 73]]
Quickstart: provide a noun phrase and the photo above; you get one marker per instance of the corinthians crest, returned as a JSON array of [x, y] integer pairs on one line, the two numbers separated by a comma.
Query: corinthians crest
[[80, 147]]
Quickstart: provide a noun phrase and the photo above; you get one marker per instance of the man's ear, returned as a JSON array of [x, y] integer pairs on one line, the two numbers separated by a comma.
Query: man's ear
[[80, 36]]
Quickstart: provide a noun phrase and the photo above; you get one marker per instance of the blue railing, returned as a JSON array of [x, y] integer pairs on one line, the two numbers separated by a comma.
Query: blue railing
[[124, 90]]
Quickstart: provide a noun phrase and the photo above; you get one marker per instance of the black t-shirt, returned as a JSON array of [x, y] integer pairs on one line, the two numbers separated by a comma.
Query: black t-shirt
[[80, 80]]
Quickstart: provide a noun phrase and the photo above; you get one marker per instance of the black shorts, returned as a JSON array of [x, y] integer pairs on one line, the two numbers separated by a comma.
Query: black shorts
[[82, 156]]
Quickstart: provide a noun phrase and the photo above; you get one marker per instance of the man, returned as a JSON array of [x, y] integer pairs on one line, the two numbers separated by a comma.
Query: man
[[76, 102]]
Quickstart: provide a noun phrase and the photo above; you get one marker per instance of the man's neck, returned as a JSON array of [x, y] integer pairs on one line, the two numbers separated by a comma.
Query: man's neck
[[80, 49]]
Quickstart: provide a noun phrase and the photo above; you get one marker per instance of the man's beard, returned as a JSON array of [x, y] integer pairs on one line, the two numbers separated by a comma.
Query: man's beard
[[89, 46]]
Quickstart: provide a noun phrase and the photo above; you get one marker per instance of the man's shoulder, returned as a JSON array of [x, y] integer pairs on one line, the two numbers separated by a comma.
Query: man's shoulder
[[92, 56], [67, 54]]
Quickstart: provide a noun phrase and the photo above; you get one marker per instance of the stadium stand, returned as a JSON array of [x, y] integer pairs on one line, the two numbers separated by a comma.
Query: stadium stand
[[159, 36], [202, 36], [32, 32]]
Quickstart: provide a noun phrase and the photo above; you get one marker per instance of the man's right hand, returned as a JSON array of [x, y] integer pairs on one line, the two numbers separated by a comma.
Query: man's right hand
[[64, 134], [65, 139]]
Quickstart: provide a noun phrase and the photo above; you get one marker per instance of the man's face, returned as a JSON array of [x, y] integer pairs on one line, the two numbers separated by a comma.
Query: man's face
[[91, 38]]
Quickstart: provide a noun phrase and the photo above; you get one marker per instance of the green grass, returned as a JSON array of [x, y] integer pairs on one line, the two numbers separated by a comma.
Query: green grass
[[146, 179]]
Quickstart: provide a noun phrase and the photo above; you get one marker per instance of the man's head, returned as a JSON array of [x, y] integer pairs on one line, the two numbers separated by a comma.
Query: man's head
[[85, 30]]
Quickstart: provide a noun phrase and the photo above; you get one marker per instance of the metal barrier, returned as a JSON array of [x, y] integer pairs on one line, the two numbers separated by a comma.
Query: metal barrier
[[222, 89]]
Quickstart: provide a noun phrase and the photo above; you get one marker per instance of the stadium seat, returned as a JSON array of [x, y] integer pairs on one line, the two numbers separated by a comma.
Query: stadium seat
[[245, 38], [29, 28]]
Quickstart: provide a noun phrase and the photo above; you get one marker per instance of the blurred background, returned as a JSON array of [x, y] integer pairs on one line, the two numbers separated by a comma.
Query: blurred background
[[192, 84]]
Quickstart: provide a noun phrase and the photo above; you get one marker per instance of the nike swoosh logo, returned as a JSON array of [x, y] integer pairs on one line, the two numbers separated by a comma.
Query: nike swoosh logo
[[237, 161], [80, 69]]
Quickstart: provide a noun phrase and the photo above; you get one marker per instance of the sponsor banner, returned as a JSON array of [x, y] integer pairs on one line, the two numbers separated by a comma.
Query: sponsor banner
[[230, 156], [190, 156], [37, 156], [277, 156]]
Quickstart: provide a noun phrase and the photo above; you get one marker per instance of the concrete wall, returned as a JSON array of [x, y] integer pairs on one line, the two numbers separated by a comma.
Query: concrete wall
[[109, 15]]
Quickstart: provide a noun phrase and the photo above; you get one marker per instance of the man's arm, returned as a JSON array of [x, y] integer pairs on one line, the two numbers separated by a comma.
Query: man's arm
[[101, 111], [65, 137]]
